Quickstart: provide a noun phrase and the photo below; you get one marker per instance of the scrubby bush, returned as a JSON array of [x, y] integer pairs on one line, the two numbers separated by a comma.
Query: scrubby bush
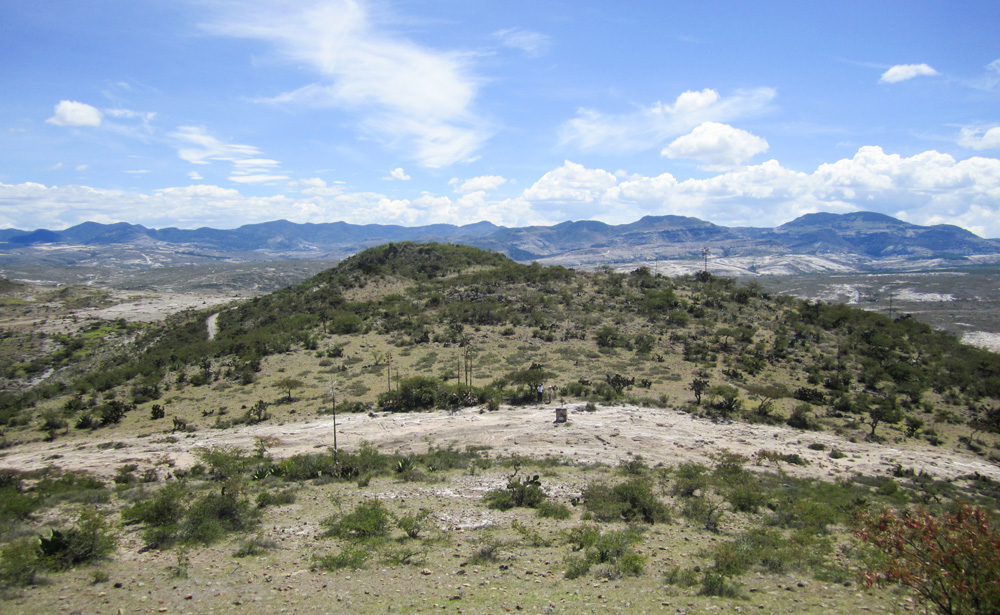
[[169, 519], [801, 417], [525, 493], [20, 563], [703, 512], [951, 560], [351, 556], [631, 501], [368, 520], [215, 515], [554, 510], [89, 540], [609, 554], [689, 479]]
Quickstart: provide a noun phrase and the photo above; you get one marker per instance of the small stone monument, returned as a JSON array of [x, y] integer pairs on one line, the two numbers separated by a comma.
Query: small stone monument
[[561, 415]]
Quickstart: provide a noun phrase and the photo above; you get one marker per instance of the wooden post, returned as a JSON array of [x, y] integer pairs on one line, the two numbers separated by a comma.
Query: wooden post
[[333, 398]]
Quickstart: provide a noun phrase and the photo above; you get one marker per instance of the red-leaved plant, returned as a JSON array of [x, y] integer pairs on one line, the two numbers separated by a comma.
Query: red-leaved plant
[[951, 560]]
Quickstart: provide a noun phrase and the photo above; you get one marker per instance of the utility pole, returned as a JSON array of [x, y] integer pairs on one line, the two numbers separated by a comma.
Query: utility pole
[[333, 400], [388, 371], [704, 254]]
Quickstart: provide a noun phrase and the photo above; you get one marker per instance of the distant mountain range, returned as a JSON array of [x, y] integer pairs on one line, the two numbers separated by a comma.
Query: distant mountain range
[[857, 237]]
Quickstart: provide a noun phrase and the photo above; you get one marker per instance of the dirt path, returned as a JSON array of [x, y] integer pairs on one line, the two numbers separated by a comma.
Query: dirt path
[[608, 435]]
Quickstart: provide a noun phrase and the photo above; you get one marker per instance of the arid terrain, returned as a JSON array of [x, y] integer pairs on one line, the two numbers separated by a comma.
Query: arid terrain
[[440, 577], [468, 556], [608, 435]]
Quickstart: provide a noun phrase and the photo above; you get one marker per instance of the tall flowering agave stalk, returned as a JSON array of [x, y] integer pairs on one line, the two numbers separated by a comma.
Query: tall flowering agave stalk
[[951, 560]]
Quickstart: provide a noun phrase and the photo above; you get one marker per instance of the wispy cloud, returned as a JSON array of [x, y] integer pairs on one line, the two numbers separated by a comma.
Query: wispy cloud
[[407, 95], [652, 126], [531, 43], [904, 72], [196, 146]]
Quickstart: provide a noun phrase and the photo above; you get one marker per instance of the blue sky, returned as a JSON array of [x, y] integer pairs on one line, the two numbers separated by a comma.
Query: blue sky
[[220, 113]]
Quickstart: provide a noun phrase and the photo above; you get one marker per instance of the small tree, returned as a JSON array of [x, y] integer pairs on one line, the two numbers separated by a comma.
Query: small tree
[[725, 398], [287, 385], [699, 386], [884, 411], [985, 418], [619, 382]]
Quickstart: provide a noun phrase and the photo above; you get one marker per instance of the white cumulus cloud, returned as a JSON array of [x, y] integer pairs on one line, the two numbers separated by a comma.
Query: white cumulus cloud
[[73, 113], [927, 188], [980, 138], [903, 72], [399, 174], [717, 146], [651, 126]]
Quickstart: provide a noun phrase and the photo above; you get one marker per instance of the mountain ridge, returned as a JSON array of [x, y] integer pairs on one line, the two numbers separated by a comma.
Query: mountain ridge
[[859, 235]]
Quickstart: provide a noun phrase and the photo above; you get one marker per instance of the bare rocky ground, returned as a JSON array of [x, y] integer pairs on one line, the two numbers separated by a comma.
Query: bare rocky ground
[[440, 575], [607, 435]]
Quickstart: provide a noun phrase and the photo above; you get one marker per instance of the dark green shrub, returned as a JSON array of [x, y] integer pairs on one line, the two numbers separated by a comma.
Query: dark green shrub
[[215, 515], [611, 550], [313, 465], [449, 458], [89, 540], [254, 546], [351, 557], [487, 551], [689, 479], [554, 510], [526, 494], [270, 498], [417, 393], [15, 505], [683, 577], [715, 584], [747, 496], [164, 509], [69, 487], [412, 525], [635, 466], [631, 501], [20, 563], [700, 511], [801, 418], [368, 520]]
